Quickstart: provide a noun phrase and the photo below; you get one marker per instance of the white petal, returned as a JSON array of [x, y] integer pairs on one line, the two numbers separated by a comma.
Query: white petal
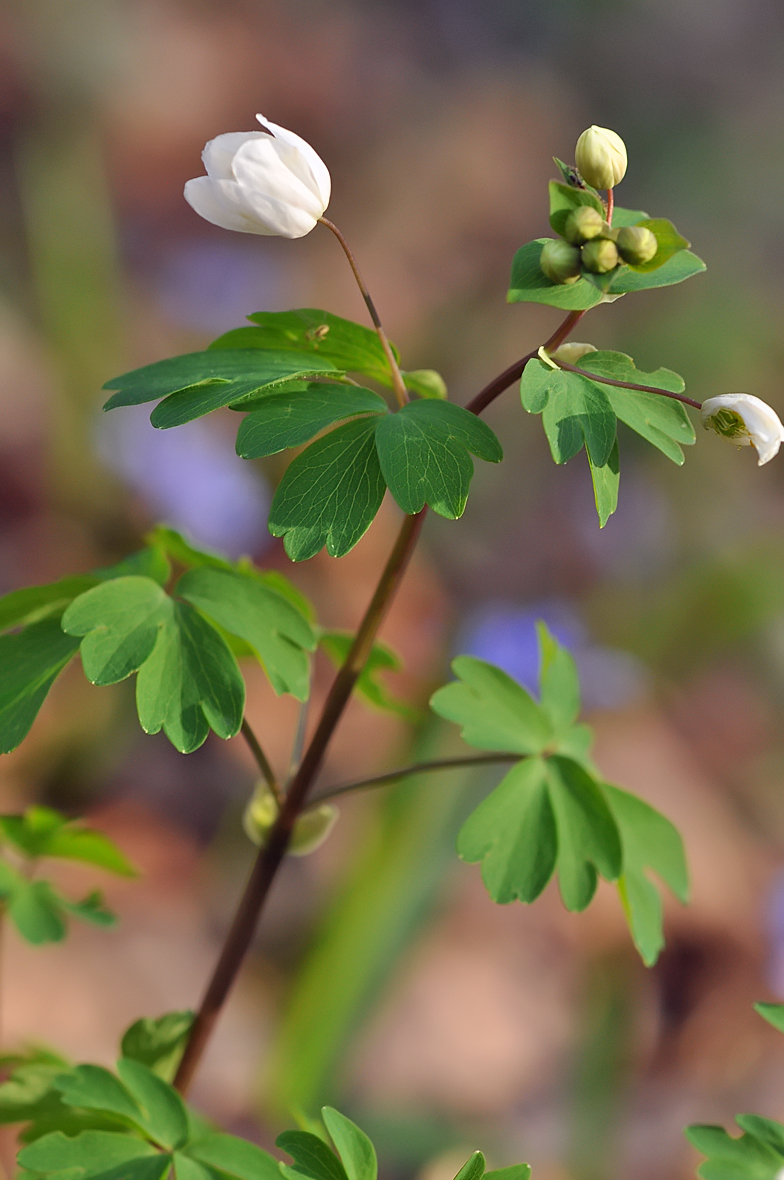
[[219, 152], [268, 184], [221, 202], [318, 170]]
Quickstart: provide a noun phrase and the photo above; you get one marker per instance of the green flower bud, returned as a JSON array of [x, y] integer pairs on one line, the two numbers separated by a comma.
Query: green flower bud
[[560, 262], [599, 256], [636, 244], [310, 829], [600, 156], [582, 224], [609, 232], [572, 352]]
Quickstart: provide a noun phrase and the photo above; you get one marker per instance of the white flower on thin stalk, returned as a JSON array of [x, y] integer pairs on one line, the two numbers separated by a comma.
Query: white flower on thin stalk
[[745, 420], [261, 182]]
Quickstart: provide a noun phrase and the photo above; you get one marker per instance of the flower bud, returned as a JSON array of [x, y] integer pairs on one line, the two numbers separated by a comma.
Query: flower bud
[[582, 224], [599, 256], [747, 421], [310, 829], [560, 262], [636, 244], [573, 352], [600, 156]]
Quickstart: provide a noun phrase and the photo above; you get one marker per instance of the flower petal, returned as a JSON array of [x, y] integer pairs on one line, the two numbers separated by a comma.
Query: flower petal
[[219, 152], [306, 156], [222, 203]]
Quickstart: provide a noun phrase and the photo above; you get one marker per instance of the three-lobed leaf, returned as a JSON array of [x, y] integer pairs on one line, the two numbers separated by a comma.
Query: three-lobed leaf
[[330, 493], [495, 712], [31, 660], [575, 411], [758, 1154], [295, 416], [425, 453]]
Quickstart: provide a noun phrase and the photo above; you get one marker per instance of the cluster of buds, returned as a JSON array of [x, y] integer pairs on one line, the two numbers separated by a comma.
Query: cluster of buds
[[589, 242]]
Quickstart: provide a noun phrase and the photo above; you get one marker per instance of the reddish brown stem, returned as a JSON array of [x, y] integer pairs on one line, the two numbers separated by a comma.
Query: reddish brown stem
[[610, 206], [269, 858], [678, 397], [515, 371]]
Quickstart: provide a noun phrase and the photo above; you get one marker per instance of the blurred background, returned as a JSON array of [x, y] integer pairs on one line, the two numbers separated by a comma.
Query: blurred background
[[383, 979]]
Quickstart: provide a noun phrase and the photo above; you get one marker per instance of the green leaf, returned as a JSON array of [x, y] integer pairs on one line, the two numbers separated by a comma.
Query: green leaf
[[120, 621], [232, 1156], [190, 683], [178, 547], [195, 384], [514, 1172], [649, 842], [166, 1120], [90, 909], [34, 911], [670, 242], [91, 1087], [330, 493], [96, 1153], [661, 421], [559, 684], [606, 481], [773, 1013], [575, 412], [745, 1158], [312, 1158], [529, 284], [345, 344], [495, 712], [679, 267], [564, 198], [290, 418], [158, 1043], [40, 602], [425, 383], [473, 1168], [31, 661], [623, 217], [369, 686], [513, 833], [356, 1152], [588, 837], [276, 631], [40, 831], [424, 454]]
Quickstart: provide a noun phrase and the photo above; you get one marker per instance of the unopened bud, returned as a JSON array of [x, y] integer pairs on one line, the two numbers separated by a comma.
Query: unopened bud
[[600, 156], [571, 353], [560, 262], [599, 256], [310, 829], [636, 244], [582, 224]]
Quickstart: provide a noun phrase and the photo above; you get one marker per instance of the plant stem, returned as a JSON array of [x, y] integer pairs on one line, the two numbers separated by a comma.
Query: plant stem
[[678, 397], [401, 392], [261, 759], [394, 776], [515, 371], [610, 205], [270, 856]]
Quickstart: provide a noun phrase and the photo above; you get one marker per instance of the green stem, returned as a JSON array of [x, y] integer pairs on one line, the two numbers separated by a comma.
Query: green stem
[[678, 397], [261, 759], [401, 393], [394, 776]]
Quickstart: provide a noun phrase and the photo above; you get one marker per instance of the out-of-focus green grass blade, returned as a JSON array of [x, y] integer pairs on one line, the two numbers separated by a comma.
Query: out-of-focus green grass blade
[[385, 897]]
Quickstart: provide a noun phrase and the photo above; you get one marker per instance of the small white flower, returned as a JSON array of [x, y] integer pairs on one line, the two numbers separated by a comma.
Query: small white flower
[[261, 182], [600, 156], [745, 420]]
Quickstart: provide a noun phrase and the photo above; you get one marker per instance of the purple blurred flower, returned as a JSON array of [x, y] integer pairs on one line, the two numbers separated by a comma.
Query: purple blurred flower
[[190, 477], [506, 635]]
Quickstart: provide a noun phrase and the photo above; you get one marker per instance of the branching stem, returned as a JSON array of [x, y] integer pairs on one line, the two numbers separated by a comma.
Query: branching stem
[[394, 776], [269, 859], [678, 397], [401, 392]]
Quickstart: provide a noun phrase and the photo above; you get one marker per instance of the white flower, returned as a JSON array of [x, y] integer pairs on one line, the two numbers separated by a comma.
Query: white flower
[[261, 182], [600, 156], [745, 420]]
